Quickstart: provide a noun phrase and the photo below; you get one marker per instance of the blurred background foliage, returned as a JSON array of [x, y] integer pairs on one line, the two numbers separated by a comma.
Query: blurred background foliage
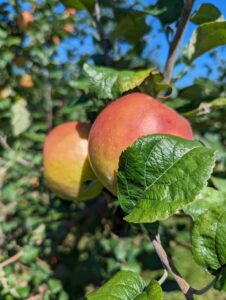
[[50, 248]]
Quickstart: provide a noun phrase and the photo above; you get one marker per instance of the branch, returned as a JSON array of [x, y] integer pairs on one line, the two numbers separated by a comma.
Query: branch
[[175, 44], [10, 260], [205, 289], [20, 160], [48, 96], [185, 287], [168, 265], [100, 29]]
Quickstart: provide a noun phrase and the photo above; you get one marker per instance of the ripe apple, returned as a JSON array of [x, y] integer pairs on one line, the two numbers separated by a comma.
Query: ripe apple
[[124, 121], [69, 28], [25, 19], [26, 81], [66, 166], [56, 40]]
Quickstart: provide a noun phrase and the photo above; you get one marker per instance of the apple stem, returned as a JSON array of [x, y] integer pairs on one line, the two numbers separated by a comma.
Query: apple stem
[[175, 44]]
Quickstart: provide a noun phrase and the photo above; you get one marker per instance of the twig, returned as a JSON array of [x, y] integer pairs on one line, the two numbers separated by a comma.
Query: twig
[[164, 277], [168, 265], [100, 28], [10, 260], [20, 160], [48, 96], [185, 287], [205, 289], [175, 44]]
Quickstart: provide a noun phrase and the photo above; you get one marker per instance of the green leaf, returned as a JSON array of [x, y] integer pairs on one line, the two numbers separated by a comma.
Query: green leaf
[[159, 174], [55, 286], [154, 84], [219, 183], [209, 198], [218, 103], [80, 4], [207, 12], [208, 240], [108, 83], [125, 285], [220, 283], [152, 292], [29, 254], [167, 11], [130, 25], [20, 119], [206, 37]]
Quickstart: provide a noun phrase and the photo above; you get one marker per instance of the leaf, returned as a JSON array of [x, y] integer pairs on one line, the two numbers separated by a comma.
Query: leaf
[[220, 283], [154, 84], [219, 183], [55, 285], [21, 118], [80, 4], [218, 103], [130, 25], [108, 83], [207, 12], [29, 254], [207, 199], [206, 37], [152, 292], [125, 285], [167, 11], [208, 240], [159, 174]]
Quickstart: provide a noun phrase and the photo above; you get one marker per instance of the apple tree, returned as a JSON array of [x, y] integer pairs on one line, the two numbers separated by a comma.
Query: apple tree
[[163, 235]]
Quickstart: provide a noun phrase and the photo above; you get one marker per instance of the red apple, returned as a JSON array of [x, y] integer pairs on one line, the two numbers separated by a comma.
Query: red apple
[[66, 166], [25, 19], [124, 121]]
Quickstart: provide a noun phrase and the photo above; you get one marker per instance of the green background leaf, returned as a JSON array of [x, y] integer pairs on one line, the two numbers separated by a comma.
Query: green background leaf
[[220, 283], [80, 4], [209, 198], [206, 37], [208, 240], [207, 12], [20, 120]]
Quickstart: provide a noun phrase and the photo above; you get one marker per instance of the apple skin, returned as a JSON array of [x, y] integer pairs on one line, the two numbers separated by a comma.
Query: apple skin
[[67, 170], [124, 121]]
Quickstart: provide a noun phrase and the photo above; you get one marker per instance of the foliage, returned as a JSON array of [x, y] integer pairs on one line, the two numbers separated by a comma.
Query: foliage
[[58, 64]]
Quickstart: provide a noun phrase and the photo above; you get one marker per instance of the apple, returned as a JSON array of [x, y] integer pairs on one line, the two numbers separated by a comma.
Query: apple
[[66, 166], [121, 123], [25, 19], [69, 28], [26, 81], [56, 40]]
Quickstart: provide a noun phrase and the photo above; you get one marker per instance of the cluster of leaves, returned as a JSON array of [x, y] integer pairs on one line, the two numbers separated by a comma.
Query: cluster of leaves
[[58, 250]]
